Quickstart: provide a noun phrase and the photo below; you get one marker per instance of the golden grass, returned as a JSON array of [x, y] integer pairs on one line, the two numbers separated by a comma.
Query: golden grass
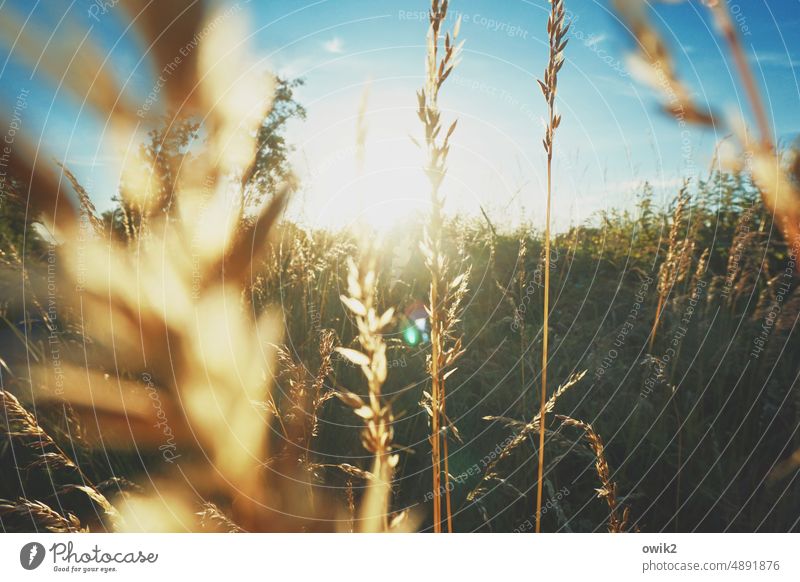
[[172, 302], [617, 522], [376, 413], [524, 430], [677, 261], [446, 290], [20, 515], [172, 298], [73, 502], [300, 418], [556, 32]]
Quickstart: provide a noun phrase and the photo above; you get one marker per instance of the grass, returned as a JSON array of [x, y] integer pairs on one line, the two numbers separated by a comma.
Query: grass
[[608, 489], [376, 414], [446, 291], [707, 401], [251, 356], [556, 32]]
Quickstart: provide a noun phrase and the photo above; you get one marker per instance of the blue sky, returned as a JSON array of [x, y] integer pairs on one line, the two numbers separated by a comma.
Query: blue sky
[[612, 136]]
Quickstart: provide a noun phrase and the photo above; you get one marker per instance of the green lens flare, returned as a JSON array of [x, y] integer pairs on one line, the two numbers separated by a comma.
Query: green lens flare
[[411, 335]]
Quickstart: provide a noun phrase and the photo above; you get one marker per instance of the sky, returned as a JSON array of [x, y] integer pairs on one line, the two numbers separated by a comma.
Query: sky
[[612, 137]]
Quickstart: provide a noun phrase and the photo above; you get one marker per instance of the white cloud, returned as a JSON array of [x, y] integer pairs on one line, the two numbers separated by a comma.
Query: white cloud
[[335, 45], [776, 59], [594, 39]]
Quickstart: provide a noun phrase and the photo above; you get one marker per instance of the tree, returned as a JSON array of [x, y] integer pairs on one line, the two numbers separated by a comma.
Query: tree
[[271, 168], [169, 151]]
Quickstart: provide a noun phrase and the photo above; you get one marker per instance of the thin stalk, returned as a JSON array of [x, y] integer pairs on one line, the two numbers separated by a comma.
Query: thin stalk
[[445, 295], [659, 307], [436, 454], [680, 460], [448, 507], [557, 33], [545, 338], [522, 276]]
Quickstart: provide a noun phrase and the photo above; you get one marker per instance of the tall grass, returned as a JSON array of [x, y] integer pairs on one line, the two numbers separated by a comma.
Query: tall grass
[[677, 260], [556, 32], [376, 414], [173, 357], [446, 290]]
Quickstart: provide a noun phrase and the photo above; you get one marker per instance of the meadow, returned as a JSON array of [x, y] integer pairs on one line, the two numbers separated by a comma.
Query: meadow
[[192, 360]]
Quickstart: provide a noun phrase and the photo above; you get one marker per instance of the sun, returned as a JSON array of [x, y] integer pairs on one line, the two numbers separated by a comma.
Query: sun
[[390, 188]]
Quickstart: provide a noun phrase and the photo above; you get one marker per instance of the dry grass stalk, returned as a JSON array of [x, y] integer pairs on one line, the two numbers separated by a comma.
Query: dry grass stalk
[[299, 415], [176, 303], [743, 261], [49, 473], [376, 413], [722, 18], [652, 62], [351, 506], [213, 519], [557, 31], [524, 430], [700, 271], [86, 206], [608, 490], [24, 515], [677, 261], [779, 191], [319, 394], [446, 291], [306, 395]]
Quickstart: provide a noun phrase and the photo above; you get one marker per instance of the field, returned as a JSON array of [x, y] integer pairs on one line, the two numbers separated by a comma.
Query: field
[[194, 359]]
